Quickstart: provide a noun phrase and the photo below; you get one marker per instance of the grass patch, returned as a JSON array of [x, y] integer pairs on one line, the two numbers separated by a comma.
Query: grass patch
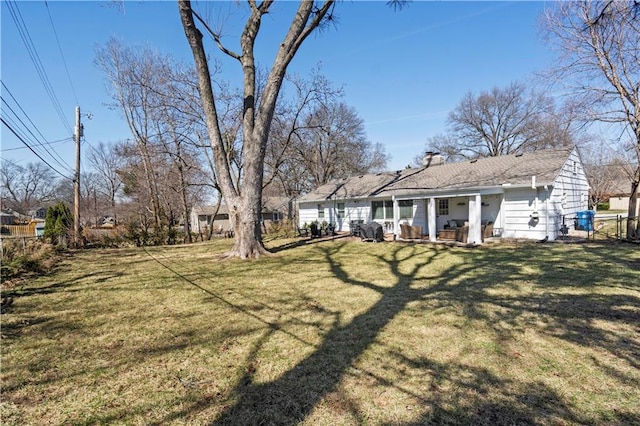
[[333, 332]]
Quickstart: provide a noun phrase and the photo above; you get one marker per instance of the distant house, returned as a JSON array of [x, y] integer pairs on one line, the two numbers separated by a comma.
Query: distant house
[[203, 217], [621, 190], [39, 213], [276, 209], [526, 195], [7, 218], [15, 224]]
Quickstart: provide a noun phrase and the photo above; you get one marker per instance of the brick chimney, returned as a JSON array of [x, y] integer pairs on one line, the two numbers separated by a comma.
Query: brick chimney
[[432, 159]]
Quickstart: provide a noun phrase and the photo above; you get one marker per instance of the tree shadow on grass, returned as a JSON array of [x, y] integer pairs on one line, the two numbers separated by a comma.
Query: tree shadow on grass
[[290, 398], [305, 241]]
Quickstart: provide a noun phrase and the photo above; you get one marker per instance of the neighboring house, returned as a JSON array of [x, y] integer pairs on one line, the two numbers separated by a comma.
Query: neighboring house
[[39, 213], [202, 218], [276, 209], [512, 196], [273, 209], [620, 193], [7, 218], [16, 225]]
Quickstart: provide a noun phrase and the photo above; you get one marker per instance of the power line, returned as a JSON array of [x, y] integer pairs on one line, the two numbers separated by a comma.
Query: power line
[[37, 63], [36, 154], [73, 90], [13, 126], [51, 150], [38, 145]]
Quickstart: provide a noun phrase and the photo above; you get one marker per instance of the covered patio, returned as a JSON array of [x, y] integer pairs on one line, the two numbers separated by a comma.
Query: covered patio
[[463, 218]]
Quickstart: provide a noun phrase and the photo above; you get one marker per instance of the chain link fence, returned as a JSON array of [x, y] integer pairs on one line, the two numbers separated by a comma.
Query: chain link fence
[[599, 227]]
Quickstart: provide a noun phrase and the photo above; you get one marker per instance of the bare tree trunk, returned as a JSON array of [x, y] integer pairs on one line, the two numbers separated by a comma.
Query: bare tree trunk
[[245, 200], [632, 214], [151, 185], [185, 205], [246, 224]]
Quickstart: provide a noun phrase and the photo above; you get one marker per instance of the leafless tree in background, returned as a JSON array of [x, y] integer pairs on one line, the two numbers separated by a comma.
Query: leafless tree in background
[[503, 121], [606, 169], [333, 144], [161, 167], [27, 187], [598, 57], [132, 73], [316, 138], [105, 162]]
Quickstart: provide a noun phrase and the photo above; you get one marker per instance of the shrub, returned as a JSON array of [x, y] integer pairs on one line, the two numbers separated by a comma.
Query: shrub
[[104, 237], [282, 229], [21, 257], [58, 221]]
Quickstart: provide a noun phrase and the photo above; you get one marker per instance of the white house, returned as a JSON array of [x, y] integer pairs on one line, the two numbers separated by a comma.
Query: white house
[[528, 195]]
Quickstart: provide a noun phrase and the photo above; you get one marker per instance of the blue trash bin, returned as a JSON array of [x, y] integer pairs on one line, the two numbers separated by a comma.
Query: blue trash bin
[[590, 214], [585, 220]]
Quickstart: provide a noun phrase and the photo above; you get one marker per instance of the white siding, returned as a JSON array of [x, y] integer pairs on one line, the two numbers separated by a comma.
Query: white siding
[[569, 195], [491, 207], [459, 208], [420, 214], [353, 210], [518, 208], [307, 213]]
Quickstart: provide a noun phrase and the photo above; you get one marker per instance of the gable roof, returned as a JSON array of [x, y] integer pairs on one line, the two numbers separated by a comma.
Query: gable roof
[[275, 204], [269, 205], [471, 174], [621, 175]]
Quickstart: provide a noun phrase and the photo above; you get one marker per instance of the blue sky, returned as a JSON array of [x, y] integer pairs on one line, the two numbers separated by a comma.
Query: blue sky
[[403, 71]]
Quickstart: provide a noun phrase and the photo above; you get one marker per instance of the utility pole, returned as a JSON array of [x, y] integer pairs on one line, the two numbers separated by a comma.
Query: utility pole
[[76, 183]]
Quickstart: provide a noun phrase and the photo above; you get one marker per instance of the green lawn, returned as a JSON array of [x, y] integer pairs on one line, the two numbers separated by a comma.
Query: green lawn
[[328, 333]]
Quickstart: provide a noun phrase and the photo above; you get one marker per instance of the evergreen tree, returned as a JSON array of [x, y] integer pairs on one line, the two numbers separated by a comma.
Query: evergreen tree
[[57, 222]]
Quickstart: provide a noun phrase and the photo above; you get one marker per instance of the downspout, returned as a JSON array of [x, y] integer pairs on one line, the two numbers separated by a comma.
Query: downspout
[[546, 207]]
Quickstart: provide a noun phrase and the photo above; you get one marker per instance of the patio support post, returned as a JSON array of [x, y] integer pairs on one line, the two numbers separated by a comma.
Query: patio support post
[[475, 220], [396, 218], [431, 222]]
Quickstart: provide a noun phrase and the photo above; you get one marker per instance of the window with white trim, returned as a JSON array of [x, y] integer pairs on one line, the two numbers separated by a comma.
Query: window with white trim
[[382, 210], [443, 207], [406, 209]]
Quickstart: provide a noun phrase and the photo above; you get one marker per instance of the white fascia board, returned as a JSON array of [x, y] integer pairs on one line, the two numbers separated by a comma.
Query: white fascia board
[[441, 193]]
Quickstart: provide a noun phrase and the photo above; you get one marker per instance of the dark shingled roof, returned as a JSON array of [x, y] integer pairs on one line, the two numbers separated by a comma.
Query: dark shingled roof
[[480, 173]]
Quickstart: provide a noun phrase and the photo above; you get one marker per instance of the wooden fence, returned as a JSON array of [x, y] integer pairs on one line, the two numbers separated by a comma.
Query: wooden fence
[[18, 230]]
